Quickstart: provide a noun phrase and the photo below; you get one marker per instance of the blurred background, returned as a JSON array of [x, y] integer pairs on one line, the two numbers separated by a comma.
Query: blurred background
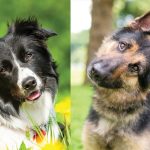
[[91, 20], [52, 15]]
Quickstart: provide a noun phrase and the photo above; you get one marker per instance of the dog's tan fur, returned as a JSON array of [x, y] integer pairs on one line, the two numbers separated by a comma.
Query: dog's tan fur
[[93, 140], [110, 132], [113, 130]]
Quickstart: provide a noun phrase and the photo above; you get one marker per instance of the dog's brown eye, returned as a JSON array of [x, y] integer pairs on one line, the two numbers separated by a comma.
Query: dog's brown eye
[[133, 67], [2, 70], [28, 56], [122, 46], [5, 68]]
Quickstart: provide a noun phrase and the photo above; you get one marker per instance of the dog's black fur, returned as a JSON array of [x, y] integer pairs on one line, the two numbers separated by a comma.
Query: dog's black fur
[[24, 35], [24, 46]]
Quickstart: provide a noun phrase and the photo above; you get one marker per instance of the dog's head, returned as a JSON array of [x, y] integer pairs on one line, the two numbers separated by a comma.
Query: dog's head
[[26, 67], [123, 60]]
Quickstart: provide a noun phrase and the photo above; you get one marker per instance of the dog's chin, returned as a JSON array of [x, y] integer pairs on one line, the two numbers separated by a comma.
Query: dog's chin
[[30, 96], [110, 85], [107, 83]]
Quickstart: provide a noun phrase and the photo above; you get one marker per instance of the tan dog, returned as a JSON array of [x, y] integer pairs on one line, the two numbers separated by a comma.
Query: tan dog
[[119, 118]]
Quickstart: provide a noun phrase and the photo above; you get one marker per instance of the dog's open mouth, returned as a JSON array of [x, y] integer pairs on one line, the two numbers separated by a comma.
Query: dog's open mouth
[[34, 95]]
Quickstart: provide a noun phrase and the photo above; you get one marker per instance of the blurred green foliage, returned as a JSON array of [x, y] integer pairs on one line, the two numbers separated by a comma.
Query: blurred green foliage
[[134, 7], [78, 47], [52, 14], [125, 10], [76, 43]]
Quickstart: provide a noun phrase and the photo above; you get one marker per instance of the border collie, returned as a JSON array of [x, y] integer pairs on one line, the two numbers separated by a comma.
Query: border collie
[[28, 82]]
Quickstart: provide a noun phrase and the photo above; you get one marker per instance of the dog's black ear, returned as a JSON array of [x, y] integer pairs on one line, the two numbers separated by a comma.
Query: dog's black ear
[[141, 23], [30, 27], [44, 33]]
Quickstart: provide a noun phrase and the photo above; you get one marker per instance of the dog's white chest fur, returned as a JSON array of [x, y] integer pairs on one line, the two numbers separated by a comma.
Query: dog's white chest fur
[[12, 138], [14, 131], [104, 126], [37, 111]]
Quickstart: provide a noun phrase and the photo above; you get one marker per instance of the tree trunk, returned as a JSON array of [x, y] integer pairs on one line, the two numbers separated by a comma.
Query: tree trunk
[[101, 25]]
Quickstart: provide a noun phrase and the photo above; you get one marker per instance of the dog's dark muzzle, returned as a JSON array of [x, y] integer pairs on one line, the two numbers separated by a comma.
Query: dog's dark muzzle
[[100, 71]]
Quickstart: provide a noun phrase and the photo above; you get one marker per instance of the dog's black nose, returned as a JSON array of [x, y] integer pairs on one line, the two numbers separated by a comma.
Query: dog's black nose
[[101, 69], [98, 71], [29, 83]]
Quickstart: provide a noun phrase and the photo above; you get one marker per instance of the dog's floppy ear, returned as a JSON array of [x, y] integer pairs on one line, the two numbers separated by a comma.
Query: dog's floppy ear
[[141, 23], [30, 27]]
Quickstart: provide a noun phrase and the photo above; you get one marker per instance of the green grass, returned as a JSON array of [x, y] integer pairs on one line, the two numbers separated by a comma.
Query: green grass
[[81, 100]]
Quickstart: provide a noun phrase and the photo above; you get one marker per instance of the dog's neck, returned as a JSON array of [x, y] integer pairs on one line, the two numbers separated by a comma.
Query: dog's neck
[[37, 112], [119, 104], [36, 116]]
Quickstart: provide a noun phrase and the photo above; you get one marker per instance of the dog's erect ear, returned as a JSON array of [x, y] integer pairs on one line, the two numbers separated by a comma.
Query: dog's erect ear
[[30, 27], [141, 23], [45, 33]]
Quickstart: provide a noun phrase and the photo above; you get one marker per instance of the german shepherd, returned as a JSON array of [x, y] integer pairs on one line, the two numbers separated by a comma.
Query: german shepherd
[[119, 118]]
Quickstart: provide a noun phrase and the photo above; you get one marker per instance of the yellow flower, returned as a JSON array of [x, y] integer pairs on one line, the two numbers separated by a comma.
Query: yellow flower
[[54, 146], [64, 107]]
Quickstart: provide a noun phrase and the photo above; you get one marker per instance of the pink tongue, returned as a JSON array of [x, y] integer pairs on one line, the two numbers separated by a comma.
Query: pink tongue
[[34, 96]]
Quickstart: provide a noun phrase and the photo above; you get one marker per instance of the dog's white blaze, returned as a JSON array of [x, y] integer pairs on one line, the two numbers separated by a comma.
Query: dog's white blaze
[[23, 73]]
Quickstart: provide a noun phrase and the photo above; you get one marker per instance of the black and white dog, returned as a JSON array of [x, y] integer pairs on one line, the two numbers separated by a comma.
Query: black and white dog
[[28, 81]]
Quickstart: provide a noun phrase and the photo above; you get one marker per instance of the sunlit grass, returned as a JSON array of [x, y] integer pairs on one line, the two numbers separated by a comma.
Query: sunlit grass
[[81, 100]]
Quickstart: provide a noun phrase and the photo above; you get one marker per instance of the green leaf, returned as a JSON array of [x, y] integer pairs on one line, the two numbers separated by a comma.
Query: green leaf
[[23, 146], [29, 149], [28, 135]]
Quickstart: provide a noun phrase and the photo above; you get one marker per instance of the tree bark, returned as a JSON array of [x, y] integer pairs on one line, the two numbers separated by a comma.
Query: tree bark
[[101, 26]]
